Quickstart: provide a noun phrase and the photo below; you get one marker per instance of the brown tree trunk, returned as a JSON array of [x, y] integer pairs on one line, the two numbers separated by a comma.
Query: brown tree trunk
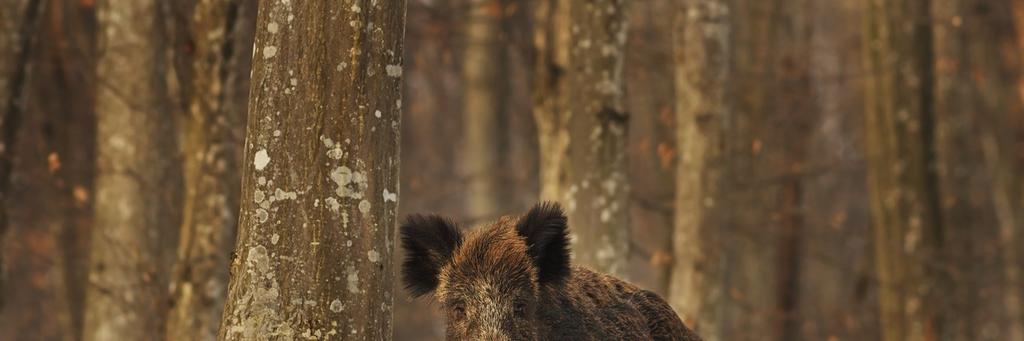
[[320, 174], [977, 106], [901, 175], [702, 50], [582, 123], [551, 92], [137, 178], [212, 150], [18, 22], [483, 68]]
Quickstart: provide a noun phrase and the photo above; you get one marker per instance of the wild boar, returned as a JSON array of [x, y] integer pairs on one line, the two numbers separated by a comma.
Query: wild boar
[[512, 280]]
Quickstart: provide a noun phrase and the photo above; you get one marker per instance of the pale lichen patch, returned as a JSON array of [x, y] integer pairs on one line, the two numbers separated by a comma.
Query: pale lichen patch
[[269, 52], [353, 280], [393, 70], [388, 196], [261, 159]]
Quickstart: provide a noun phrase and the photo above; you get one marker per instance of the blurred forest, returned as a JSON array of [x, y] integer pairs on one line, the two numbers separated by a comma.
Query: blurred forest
[[776, 169]]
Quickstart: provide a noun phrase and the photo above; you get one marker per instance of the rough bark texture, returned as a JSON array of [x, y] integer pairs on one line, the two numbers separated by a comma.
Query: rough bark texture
[[212, 152], [702, 72], [901, 174], [18, 19], [483, 65], [320, 174], [582, 124], [137, 178]]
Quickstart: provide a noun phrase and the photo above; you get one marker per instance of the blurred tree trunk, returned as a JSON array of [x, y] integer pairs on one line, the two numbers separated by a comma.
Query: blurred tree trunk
[[784, 122], [551, 92], [212, 152], [484, 81], [901, 173], [702, 50], [137, 180], [18, 24], [320, 174], [977, 107], [582, 124]]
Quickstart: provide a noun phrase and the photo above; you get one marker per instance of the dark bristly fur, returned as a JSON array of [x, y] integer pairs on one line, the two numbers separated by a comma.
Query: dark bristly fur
[[547, 238], [513, 280], [429, 242]]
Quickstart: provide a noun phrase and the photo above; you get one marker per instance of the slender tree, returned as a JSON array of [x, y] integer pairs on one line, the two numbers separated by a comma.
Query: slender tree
[[901, 174], [18, 22], [483, 68], [212, 147], [320, 174], [582, 124], [702, 50], [136, 210], [977, 106]]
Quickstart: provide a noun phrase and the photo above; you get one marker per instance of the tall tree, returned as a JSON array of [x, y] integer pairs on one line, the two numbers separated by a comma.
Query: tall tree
[[137, 180], [977, 107], [582, 124], [901, 175], [483, 108], [702, 48], [320, 174], [18, 22], [220, 30]]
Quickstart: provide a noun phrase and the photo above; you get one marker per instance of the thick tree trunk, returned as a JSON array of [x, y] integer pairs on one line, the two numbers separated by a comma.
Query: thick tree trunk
[[320, 174], [582, 123], [137, 178], [484, 82], [901, 175], [212, 151], [702, 72]]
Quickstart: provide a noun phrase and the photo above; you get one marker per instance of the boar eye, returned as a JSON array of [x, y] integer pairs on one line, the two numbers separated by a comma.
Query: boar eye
[[520, 309], [458, 312]]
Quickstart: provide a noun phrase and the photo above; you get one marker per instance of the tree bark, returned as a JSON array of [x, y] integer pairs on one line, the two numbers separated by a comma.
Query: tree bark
[[901, 175], [702, 50], [582, 125], [212, 154], [483, 109], [320, 174], [137, 178]]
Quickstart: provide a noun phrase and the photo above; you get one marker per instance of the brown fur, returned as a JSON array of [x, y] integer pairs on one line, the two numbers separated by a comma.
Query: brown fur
[[489, 288]]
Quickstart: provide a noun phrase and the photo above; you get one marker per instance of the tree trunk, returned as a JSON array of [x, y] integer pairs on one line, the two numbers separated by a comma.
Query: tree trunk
[[18, 22], [976, 109], [901, 174], [212, 153], [483, 109], [551, 92], [136, 208], [702, 71], [320, 174], [582, 125], [137, 178]]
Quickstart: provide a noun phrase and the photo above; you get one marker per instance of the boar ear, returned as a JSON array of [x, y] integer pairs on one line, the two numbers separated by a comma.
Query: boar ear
[[545, 229], [428, 241]]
